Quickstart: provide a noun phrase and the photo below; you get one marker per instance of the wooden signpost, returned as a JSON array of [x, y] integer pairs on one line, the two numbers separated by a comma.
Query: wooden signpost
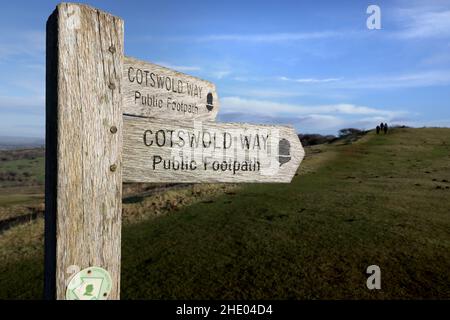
[[111, 119]]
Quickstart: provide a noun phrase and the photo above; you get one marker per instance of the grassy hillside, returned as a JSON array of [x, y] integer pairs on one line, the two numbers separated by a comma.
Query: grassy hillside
[[382, 200], [22, 167], [21, 177]]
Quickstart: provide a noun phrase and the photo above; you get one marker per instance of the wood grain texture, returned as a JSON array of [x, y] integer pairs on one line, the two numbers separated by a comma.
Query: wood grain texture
[[154, 91], [83, 196], [252, 153]]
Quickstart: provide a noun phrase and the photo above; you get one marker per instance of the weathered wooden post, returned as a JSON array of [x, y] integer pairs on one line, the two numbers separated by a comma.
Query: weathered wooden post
[[83, 145]]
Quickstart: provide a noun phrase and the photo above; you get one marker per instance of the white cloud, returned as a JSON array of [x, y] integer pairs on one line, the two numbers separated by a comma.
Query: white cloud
[[424, 78], [269, 108], [268, 93], [259, 37], [220, 74], [28, 44], [408, 80], [269, 37], [441, 57], [319, 119], [423, 21], [310, 80], [320, 122], [312, 123], [178, 67], [323, 118]]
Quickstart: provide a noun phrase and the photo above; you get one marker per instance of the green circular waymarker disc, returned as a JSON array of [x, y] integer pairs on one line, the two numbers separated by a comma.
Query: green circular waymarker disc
[[92, 283]]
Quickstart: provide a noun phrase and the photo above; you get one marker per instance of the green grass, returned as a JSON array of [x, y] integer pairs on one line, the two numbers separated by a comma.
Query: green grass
[[22, 177], [382, 200], [29, 171], [19, 197], [22, 261]]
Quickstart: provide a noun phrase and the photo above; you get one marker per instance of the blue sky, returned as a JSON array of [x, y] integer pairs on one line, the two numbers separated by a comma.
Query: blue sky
[[312, 64]]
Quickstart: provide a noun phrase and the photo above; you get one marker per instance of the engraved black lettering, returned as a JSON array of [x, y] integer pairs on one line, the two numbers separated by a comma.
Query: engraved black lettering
[[146, 77], [160, 138], [152, 78], [148, 144], [129, 74], [137, 96], [139, 76], [156, 160]]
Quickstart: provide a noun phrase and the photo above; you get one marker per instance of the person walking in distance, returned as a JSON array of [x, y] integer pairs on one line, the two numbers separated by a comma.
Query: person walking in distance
[[385, 128], [382, 126], [378, 129]]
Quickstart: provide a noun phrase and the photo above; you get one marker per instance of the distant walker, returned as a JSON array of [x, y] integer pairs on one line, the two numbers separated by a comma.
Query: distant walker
[[382, 127]]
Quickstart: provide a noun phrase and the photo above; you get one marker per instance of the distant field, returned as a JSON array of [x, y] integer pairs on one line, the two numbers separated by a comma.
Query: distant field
[[22, 168], [20, 198], [381, 200], [21, 182]]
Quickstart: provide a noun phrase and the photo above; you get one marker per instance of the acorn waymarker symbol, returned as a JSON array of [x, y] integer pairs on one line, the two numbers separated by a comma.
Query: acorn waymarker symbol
[[209, 101], [284, 151]]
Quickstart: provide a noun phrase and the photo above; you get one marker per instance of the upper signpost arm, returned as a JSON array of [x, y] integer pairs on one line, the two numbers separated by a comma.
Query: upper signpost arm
[[154, 91]]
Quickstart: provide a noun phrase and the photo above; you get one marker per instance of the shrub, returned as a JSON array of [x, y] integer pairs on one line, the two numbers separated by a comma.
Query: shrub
[[350, 132], [313, 139]]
